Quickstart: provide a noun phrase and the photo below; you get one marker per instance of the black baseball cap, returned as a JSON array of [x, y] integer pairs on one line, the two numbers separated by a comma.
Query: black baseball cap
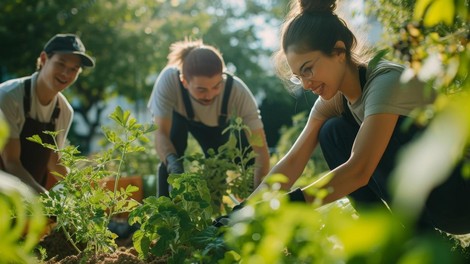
[[69, 43]]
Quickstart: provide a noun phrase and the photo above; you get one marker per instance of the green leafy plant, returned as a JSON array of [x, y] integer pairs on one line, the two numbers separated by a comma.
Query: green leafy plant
[[22, 220], [178, 227], [82, 207], [230, 171], [141, 162]]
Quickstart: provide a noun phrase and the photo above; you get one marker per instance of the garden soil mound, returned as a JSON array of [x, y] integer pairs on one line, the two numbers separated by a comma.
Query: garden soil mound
[[61, 251]]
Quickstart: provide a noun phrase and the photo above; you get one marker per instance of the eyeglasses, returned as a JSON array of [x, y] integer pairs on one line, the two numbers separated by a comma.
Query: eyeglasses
[[306, 73]]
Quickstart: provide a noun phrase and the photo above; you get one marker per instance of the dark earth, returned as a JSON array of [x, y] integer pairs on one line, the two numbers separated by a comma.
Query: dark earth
[[59, 250]]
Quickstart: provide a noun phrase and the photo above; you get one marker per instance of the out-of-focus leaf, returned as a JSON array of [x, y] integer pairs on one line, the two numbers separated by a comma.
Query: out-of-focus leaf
[[434, 11]]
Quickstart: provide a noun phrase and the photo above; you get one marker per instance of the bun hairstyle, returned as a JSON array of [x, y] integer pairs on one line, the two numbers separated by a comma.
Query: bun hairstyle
[[313, 25], [327, 6], [194, 58]]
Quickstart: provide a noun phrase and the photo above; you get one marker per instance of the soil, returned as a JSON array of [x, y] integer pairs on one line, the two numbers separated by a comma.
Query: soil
[[61, 251]]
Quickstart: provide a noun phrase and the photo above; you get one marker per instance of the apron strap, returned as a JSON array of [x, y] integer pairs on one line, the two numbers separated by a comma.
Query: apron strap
[[346, 111], [228, 89], [27, 97], [186, 100]]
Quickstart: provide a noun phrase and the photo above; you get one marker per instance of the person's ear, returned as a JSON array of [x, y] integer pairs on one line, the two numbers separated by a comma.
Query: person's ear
[[341, 50], [43, 58], [183, 81]]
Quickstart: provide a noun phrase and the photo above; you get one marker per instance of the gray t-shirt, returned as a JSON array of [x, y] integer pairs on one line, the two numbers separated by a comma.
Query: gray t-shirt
[[167, 97], [383, 93]]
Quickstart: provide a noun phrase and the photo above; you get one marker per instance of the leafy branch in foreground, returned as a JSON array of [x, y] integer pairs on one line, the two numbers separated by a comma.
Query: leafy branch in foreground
[[270, 229], [82, 207], [20, 212]]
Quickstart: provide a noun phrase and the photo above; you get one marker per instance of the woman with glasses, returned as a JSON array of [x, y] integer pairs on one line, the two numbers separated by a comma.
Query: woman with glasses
[[357, 119]]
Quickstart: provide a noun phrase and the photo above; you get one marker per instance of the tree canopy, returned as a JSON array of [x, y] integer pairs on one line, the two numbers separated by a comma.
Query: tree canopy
[[130, 41]]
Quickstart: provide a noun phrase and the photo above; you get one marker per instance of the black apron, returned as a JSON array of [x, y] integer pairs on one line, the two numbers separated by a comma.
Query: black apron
[[346, 111], [207, 137], [35, 157]]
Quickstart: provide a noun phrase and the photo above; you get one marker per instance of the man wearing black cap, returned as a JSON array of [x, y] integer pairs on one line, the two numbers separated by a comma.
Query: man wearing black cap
[[34, 104]]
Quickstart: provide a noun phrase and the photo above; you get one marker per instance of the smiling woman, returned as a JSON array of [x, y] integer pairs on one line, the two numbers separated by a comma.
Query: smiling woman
[[307, 70], [361, 119]]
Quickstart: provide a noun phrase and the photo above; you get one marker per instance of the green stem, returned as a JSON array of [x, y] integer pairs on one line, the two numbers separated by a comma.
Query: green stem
[[118, 177], [69, 238], [240, 146]]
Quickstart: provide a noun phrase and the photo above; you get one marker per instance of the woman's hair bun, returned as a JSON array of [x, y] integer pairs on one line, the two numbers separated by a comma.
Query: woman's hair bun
[[317, 6]]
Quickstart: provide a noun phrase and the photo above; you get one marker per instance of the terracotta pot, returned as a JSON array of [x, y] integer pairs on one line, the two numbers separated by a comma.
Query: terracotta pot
[[126, 181]]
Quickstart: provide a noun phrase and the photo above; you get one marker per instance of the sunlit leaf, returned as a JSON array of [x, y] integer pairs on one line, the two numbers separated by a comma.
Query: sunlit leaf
[[379, 56], [274, 178], [434, 11]]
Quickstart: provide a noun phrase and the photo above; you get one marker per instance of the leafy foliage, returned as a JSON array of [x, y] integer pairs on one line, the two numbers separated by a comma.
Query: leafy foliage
[[22, 220], [429, 36], [178, 227], [229, 171], [84, 208], [270, 229]]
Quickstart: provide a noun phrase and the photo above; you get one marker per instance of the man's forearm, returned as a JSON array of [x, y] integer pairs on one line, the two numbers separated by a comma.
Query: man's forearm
[[163, 146], [19, 171]]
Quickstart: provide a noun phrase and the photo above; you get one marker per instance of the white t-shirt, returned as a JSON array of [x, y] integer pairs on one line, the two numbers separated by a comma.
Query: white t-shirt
[[11, 104], [167, 97]]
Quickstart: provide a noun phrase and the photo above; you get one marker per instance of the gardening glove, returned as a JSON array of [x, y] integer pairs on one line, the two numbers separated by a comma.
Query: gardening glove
[[296, 195], [224, 219], [173, 164]]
